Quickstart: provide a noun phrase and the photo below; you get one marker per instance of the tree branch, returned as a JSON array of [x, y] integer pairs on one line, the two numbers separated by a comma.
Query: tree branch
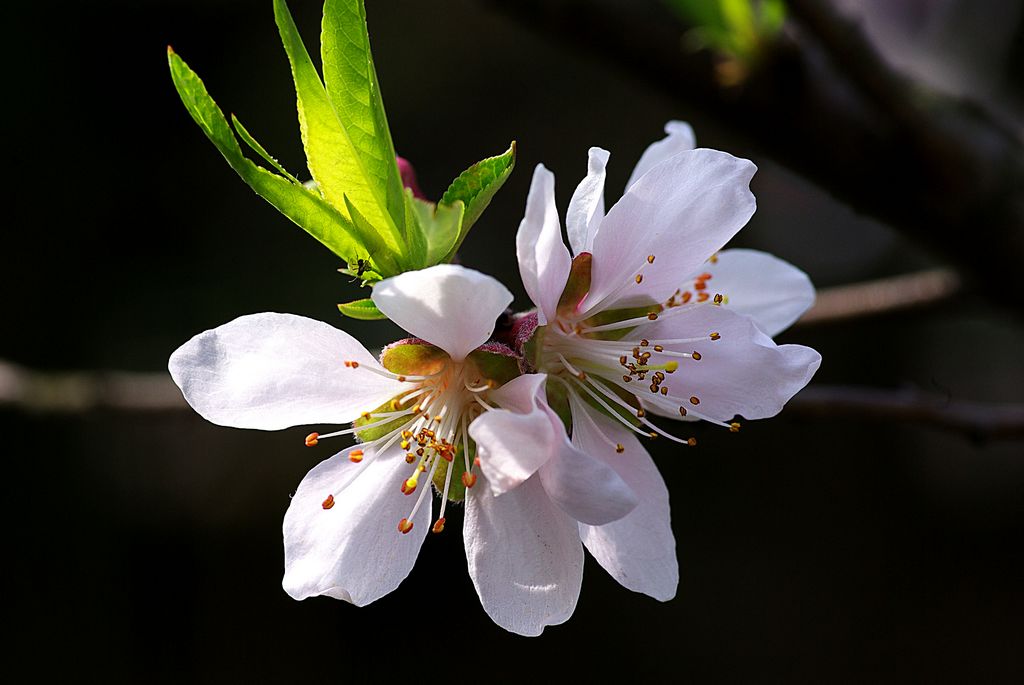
[[881, 296], [81, 392], [823, 103]]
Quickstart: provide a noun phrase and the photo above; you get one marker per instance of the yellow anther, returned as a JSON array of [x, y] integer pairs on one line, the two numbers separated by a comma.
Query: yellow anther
[[652, 435], [734, 427], [715, 336], [409, 486], [639, 279], [659, 348], [410, 458], [640, 413], [619, 448], [365, 415], [650, 259], [664, 390], [671, 366], [718, 298], [696, 356], [404, 444], [312, 439], [645, 342], [695, 400]]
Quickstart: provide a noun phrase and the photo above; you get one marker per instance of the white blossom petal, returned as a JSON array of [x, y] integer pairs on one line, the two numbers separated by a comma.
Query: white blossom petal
[[638, 550], [742, 373], [681, 212], [544, 260], [772, 292], [352, 551], [525, 557], [511, 446], [680, 138], [586, 208], [447, 305], [271, 371]]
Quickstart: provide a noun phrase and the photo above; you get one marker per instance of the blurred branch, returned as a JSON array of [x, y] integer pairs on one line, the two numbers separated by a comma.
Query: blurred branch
[[977, 420], [80, 392], [822, 102], [881, 296]]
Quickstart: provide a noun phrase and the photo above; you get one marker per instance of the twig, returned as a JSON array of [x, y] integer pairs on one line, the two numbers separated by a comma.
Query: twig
[[977, 420], [954, 183], [81, 392], [882, 296]]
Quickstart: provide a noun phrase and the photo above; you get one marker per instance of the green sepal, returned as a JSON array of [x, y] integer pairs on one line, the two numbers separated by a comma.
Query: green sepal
[[371, 434], [364, 310], [495, 367], [475, 187], [532, 348], [413, 359], [336, 163], [304, 207]]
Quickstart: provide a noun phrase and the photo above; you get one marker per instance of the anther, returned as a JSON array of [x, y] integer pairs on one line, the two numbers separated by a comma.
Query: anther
[[438, 526], [734, 427], [652, 316], [410, 458], [650, 259], [652, 435], [640, 413], [312, 439], [715, 336], [622, 360], [409, 486], [619, 448], [355, 456], [692, 442], [659, 348], [702, 297], [639, 279], [682, 411], [696, 356], [329, 502], [645, 342], [664, 390], [353, 365], [627, 378], [718, 298], [468, 479], [671, 366], [404, 526], [695, 400]]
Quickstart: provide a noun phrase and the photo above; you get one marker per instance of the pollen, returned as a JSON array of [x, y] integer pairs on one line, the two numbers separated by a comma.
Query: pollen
[[329, 502], [312, 439], [404, 526], [355, 456]]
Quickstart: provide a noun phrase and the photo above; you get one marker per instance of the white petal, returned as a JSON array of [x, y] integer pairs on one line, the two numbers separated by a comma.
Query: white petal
[[544, 260], [680, 138], [525, 557], [586, 208], [742, 373], [638, 550], [272, 371], [447, 305], [512, 446], [681, 211], [772, 292], [354, 550]]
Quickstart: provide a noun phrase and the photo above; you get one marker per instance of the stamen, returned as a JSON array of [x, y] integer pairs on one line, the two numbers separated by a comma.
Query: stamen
[[404, 526], [355, 456], [312, 439], [328, 503]]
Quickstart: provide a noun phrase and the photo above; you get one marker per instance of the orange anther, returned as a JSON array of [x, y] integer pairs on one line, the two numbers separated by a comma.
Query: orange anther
[[355, 456], [438, 526], [702, 297], [410, 458], [312, 439], [650, 259], [639, 279], [329, 502], [409, 486], [692, 442], [468, 479], [404, 526], [652, 316]]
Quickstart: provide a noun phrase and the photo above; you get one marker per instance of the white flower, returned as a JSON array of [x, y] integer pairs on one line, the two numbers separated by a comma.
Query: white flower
[[355, 525], [646, 319]]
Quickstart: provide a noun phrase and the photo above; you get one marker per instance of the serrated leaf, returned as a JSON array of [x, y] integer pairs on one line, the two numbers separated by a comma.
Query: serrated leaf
[[440, 226], [364, 310], [334, 160], [352, 87], [305, 208], [476, 186]]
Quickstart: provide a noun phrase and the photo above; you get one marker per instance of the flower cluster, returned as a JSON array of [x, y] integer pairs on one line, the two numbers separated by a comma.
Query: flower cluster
[[537, 433]]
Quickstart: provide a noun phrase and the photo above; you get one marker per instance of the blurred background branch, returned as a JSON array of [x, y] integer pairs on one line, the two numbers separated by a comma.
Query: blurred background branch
[[814, 94]]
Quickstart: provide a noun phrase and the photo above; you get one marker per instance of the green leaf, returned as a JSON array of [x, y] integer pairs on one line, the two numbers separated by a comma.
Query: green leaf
[[260, 150], [476, 186], [352, 87], [305, 208], [364, 310], [382, 257], [334, 161], [440, 226]]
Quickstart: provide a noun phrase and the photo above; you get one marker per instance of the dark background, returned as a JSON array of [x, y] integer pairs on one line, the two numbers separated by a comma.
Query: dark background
[[147, 545]]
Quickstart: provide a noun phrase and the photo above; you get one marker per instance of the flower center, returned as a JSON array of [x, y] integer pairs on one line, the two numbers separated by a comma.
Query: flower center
[[429, 421]]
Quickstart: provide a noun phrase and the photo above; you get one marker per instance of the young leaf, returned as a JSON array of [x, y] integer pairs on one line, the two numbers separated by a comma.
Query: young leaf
[[364, 310], [476, 186], [335, 162], [305, 208], [259, 149], [440, 226], [352, 88]]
